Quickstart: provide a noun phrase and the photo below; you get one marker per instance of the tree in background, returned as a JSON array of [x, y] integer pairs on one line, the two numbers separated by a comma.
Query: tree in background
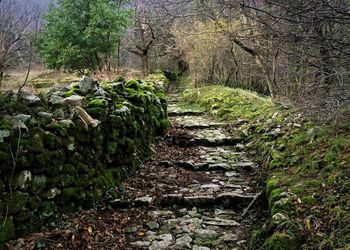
[[16, 21], [150, 39], [296, 51], [81, 34]]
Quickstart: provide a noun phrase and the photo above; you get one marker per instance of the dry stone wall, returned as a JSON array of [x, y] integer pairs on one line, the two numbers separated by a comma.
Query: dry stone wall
[[68, 149]]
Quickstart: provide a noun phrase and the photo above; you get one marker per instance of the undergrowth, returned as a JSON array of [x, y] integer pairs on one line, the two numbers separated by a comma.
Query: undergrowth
[[308, 165]]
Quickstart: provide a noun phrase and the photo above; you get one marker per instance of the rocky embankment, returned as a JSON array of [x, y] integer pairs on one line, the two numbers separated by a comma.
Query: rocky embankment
[[68, 149]]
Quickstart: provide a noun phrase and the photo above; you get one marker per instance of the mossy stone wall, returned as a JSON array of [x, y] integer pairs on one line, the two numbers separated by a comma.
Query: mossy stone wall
[[53, 161]]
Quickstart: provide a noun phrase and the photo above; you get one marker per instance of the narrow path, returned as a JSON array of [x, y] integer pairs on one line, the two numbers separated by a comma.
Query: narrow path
[[189, 196], [199, 197]]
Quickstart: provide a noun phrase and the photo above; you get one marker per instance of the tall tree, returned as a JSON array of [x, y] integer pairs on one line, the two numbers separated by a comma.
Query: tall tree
[[16, 21], [81, 34], [150, 38]]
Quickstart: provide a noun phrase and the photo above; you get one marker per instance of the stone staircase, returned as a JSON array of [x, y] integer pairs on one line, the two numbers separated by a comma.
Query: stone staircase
[[205, 211]]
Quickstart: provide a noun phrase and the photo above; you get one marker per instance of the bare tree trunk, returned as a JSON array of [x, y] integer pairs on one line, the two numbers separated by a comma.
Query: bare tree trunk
[[236, 72], [261, 63], [28, 70], [145, 63], [212, 70], [1, 77], [118, 56]]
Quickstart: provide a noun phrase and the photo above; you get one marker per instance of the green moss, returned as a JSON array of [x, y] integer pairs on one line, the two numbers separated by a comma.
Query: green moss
[[206, 242], [281, 241], [49, 162], [275, 195], [258, 237], [298, 188], [345, 188], [271, 185], [133, 84], [68, 169], [333, 179], [330, 156], [276, 163], [49, 140], [102, 103], [73, 91], [38, 184], [26, 221], [5, 125], [17, 202], [163, 126], [300, 139], [36, 142], [67, 180], [230, 103], [283, 205], [47, 209], [312, 183], [98, 113], [2, 186], [5, 160], [58, 129], [308, 200], [104, 181], [7, 231], [85, 180], [82, 168], [71, 193], [112, 147], [119, 79], [147, 87]]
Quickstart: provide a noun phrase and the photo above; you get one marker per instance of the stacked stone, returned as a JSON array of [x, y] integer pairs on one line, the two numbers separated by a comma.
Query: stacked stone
[[68, 149]]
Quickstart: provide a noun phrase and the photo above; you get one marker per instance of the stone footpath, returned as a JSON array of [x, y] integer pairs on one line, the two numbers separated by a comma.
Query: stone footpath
[[204, 212]]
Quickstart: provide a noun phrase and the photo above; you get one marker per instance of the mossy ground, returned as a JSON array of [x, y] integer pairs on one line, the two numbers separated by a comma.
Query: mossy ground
[[307, 164]]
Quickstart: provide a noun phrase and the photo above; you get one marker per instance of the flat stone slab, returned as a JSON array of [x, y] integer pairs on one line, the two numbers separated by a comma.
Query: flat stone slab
[[221, 222], [189, 229], [213, 137], [176, 110], [171, 199], [197, 201], [234, 199], [194, 121]]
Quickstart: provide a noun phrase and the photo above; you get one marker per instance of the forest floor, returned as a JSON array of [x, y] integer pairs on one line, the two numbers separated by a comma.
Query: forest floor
[[193, 194]]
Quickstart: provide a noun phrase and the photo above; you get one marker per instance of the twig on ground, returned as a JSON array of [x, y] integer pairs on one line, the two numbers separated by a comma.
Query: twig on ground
[[251, 204]]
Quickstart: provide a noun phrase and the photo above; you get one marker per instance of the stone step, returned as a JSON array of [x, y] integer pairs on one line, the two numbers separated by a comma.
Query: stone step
[[194, 122], [184, 141], [188, 229], [232, 200], [198, 126], [172, 113], [177, 110], [219, 166], [212, 138]]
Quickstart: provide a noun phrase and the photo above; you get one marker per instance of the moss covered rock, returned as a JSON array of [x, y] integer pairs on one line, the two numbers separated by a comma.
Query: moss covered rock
[[281, 241], [68, 160], [7, 231]]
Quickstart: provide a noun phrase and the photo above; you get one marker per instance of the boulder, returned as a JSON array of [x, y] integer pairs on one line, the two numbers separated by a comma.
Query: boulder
[[87, 85], [56, 99], [75, 100], [31, 99], [22, 180]]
